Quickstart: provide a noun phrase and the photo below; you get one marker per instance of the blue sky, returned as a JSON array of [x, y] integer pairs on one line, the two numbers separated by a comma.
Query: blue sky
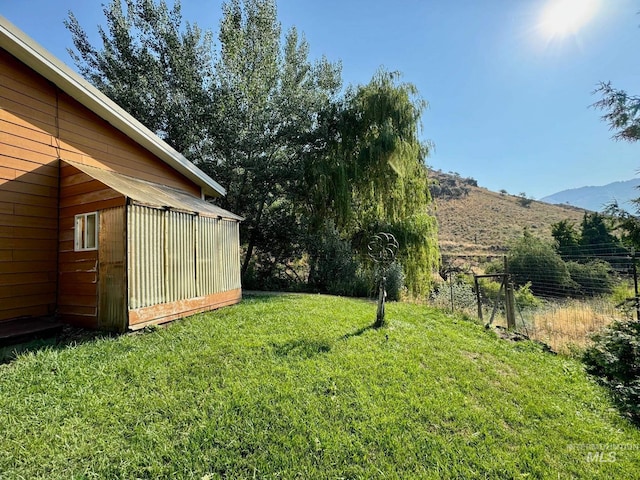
[[509, 102]]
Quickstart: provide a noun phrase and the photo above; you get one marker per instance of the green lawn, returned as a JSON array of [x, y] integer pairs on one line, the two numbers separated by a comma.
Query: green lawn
[[297, 387]]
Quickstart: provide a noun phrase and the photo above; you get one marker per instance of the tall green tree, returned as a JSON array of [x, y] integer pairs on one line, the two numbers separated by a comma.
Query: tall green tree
[[155, 67], [271, 99], [567, 239], [374, 176], [622, 111], [299, 156]]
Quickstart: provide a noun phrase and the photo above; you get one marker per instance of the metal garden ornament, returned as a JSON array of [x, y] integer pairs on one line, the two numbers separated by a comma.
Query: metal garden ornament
[[383, 248]]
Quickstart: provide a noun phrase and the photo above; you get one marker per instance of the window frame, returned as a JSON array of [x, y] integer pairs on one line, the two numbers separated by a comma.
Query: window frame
[[81, 233]]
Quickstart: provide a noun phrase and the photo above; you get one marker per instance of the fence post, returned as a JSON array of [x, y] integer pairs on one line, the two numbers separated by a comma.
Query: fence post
[[635, 285], [477, 285], [510, 306], [509, 297]]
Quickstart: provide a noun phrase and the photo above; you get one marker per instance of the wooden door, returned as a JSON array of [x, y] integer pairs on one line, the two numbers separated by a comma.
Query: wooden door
[[112, 299]]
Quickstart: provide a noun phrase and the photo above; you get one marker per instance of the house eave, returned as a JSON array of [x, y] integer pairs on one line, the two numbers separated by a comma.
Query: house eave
[[25, 49]]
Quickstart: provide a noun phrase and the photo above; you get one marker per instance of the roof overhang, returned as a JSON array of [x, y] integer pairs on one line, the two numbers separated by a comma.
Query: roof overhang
[[151, 194], [32, 54]]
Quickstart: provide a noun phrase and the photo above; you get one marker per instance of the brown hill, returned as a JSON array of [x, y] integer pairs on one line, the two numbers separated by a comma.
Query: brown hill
[[475, 221]]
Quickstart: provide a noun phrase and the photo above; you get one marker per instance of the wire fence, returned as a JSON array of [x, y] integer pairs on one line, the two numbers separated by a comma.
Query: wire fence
[[558, 303]]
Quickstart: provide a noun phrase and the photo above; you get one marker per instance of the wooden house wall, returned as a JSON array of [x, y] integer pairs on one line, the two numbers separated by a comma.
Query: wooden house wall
[[28, 193], [78, 271], [39, 125]]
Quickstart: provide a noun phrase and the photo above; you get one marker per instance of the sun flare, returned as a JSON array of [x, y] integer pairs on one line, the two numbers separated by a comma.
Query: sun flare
[[561, 18]]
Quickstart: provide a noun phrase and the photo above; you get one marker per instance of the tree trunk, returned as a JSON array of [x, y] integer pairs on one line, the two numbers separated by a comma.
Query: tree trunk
[[252, 240]]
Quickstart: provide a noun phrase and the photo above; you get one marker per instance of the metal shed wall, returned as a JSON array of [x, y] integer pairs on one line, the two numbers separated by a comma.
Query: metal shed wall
[[179, 263]]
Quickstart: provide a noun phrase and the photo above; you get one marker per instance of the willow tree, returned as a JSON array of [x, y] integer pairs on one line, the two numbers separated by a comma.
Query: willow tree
[[375, 177]]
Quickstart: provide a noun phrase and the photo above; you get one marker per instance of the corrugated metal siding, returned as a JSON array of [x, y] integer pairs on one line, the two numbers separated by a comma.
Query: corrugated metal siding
[[206, 260], [177, 256], [146, 265], [180, 256], [228, 255]]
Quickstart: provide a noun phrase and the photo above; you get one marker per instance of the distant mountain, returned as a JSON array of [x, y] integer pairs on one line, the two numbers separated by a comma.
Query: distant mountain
[[597, 198]]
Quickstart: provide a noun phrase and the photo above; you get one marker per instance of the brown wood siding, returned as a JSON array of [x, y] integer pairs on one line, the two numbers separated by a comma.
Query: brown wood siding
[[87, 139], [28, 193], [39, 124], [166, 312], [78, 271]]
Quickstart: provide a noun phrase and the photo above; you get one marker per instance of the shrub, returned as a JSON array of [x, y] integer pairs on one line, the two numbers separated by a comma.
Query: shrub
[[533, 261], [334, 268], [615, 359], [395, 281], [621, 295], [592, 278], [525, 299]]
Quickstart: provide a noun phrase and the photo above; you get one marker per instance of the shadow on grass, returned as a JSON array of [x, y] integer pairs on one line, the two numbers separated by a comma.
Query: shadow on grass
[[301, 348], [69, 336], [358, 332]]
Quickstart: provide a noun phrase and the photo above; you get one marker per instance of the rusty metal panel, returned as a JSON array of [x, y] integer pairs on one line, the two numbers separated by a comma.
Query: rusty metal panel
[[153, 194], [146, 266], [112, 311]]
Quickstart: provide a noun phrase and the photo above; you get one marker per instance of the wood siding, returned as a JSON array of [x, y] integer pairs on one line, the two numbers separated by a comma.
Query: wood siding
[[28, 193], [39, 124], [78, 271]]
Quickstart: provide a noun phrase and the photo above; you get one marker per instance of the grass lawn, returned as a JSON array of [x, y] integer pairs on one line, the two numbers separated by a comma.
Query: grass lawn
[[297, 387]]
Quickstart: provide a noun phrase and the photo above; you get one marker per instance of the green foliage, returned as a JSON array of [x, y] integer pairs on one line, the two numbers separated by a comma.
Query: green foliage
[[622, 111], [626, 223], [525, 299], [534, 261], [621, 295], [567, 238], [395, 281], [156, 68], [596, 236], [592, 278], [334, 268], [272, 100], [374, 178], [274, 128], [615, 358]]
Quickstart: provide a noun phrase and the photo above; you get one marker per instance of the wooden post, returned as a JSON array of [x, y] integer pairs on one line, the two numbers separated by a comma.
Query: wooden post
[[477, 285], [510, 305], [509, 297], [451, 291], [635, 286]]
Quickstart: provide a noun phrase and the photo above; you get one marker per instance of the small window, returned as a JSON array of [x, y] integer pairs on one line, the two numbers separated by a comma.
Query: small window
[[86, 234]]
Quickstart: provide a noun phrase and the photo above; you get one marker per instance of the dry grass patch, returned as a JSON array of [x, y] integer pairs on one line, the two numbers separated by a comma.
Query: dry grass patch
[[570, 325]]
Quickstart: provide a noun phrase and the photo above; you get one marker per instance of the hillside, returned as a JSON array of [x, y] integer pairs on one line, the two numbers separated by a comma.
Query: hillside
[[474, 220]]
